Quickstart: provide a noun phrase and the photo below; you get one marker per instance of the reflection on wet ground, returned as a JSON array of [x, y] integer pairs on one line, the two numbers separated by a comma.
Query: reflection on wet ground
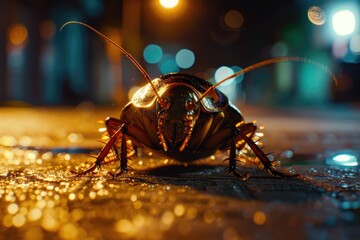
[[162, 199]]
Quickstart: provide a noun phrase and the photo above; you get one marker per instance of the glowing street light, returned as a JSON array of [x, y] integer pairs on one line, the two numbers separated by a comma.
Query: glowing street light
[[169, 3], [344, 22]]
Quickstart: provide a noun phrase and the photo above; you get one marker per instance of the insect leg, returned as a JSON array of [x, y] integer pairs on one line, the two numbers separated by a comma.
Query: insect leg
[[262, 156], [232, 162], [112, 125], [121, 153], [103, 152], [247, 129]]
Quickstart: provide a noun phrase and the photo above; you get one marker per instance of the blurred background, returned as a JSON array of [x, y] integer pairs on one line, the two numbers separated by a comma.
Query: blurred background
[[40, 65]]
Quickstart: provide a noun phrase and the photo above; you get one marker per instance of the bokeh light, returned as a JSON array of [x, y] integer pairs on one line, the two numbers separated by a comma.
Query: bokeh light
[[17, 34], [185, 58], [344, 22], [229, 86], [153, 53], [47, 29], [168, 64], [234, 19], [343, 158], [224, 72], [316, 15], [93, 7], [279, 49], [238, 69], [169, 3], [339, 48], [355, 44]]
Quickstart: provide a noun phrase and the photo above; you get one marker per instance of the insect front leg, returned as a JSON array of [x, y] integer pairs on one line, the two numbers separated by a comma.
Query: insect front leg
[[112, 125], [104, 151], [120, 132]]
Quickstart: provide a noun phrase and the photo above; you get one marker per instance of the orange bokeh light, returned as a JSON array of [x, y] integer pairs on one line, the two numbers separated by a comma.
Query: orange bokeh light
[[17, 34]]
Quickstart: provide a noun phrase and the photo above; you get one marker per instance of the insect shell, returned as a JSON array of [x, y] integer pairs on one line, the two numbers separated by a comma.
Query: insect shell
[[184, 117]]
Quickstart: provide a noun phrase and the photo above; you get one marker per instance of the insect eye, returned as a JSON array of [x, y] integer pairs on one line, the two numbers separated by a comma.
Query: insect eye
[[190, 105], [164, 103]]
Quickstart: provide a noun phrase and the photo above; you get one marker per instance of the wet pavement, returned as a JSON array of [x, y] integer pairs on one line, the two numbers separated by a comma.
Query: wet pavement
[[162, 199]]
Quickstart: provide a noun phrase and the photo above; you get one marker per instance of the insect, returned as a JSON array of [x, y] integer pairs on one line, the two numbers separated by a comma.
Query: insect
[[183, 116]]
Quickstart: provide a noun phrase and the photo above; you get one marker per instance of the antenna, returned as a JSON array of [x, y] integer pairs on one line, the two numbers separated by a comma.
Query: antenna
[[126, 53], [268, 62]]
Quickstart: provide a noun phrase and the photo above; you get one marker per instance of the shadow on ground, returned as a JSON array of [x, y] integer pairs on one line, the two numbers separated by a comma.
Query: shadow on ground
[[213, 180]]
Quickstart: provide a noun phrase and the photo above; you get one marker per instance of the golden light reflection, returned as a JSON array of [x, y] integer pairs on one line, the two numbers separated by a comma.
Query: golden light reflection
[[8, 141], [125, 226], [12, 208], [167, 219], [17, 34], [209, 217], [75, 137], [132, 91], [34, 233], [179, 210], [230, 234]]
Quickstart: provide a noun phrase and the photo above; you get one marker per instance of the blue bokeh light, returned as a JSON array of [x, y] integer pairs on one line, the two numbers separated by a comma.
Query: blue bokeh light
[[238, 69], [185, 58], [222, 73], [168, 64], [153, 53], [344, 158]]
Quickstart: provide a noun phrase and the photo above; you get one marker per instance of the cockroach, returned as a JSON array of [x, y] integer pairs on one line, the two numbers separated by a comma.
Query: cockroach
[[184, 117]]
